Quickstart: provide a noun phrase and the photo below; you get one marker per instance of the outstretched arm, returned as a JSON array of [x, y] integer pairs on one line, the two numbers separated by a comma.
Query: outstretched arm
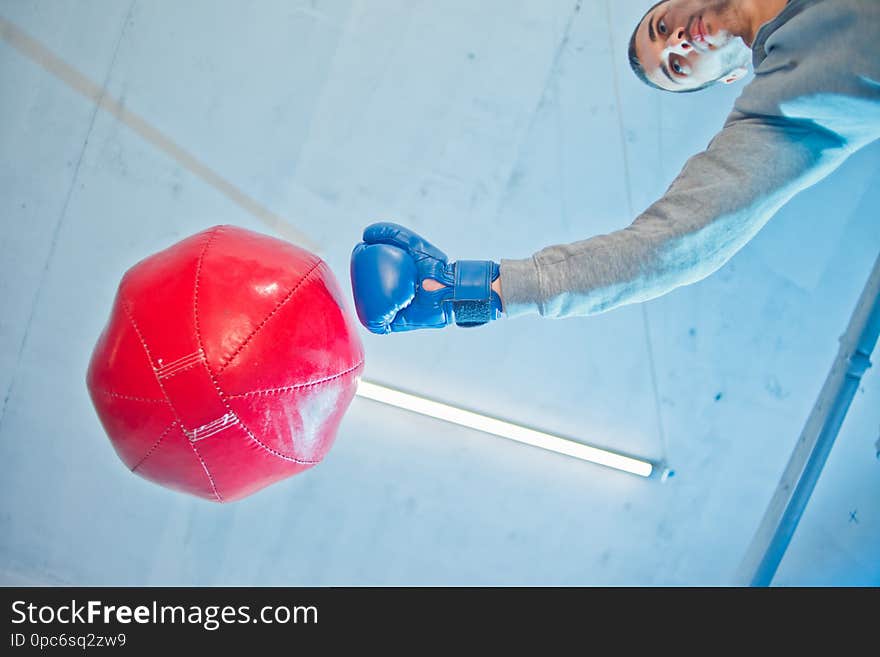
[[719, 201]]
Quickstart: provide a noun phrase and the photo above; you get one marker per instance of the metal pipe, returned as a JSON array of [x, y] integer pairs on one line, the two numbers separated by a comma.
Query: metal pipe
[[811, 451]]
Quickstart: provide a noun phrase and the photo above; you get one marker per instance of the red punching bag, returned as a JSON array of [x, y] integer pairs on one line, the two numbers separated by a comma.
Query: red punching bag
[[227, 364]]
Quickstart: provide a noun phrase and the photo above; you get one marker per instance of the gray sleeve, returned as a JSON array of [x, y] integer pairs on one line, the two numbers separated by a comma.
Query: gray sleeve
[[720, 200]]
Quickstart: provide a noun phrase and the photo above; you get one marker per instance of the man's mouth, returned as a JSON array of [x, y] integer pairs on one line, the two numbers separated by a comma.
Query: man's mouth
[[698, 33]]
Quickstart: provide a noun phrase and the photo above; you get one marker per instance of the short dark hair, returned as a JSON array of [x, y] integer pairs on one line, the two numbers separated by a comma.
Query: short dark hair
[[639, 70]]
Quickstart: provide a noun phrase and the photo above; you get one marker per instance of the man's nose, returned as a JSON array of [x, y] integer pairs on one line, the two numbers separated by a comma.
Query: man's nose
[[678, 43]]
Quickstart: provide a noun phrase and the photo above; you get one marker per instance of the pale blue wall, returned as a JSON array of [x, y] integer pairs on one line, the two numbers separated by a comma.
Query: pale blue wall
[[495, 128]]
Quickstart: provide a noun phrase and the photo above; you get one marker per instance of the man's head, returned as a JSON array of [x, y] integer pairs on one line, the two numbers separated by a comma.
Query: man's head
[[688, 45]]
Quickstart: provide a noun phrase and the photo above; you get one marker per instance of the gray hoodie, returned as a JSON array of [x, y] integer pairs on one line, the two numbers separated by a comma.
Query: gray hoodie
[[814, 100]]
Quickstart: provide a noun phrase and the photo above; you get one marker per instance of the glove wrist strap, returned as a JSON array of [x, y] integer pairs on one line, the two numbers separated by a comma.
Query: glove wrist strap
[[473, 300]]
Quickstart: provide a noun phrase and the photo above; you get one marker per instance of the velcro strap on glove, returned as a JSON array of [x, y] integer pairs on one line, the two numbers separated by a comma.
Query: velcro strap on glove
[[473, 300]]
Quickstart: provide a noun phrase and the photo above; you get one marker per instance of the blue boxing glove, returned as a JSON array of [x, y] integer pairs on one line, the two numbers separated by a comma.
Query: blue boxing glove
[[387, 271]]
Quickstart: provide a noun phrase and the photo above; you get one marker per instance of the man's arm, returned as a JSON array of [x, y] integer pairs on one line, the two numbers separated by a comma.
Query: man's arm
[[719, 201]]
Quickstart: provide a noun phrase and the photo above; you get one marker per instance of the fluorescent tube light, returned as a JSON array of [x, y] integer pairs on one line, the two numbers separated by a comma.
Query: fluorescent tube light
[[505, 429]]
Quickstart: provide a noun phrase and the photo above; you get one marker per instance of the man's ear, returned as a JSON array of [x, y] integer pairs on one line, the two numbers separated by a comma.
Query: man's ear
[[735, 74]]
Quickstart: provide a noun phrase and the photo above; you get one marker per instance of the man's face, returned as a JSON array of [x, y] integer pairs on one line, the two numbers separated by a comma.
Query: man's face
[[683, 44]]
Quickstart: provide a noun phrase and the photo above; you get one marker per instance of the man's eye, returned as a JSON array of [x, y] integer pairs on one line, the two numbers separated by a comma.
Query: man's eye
[[661, 27], [676, 66]]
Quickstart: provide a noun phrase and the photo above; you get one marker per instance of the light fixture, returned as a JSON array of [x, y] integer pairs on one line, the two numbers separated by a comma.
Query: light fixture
[[504, 429]]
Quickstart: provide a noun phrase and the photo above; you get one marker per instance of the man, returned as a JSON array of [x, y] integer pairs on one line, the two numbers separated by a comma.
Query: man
[[688, 46], [814, 100]]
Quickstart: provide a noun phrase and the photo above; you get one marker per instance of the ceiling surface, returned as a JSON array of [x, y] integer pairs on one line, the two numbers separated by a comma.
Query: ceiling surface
[[494, 129]]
